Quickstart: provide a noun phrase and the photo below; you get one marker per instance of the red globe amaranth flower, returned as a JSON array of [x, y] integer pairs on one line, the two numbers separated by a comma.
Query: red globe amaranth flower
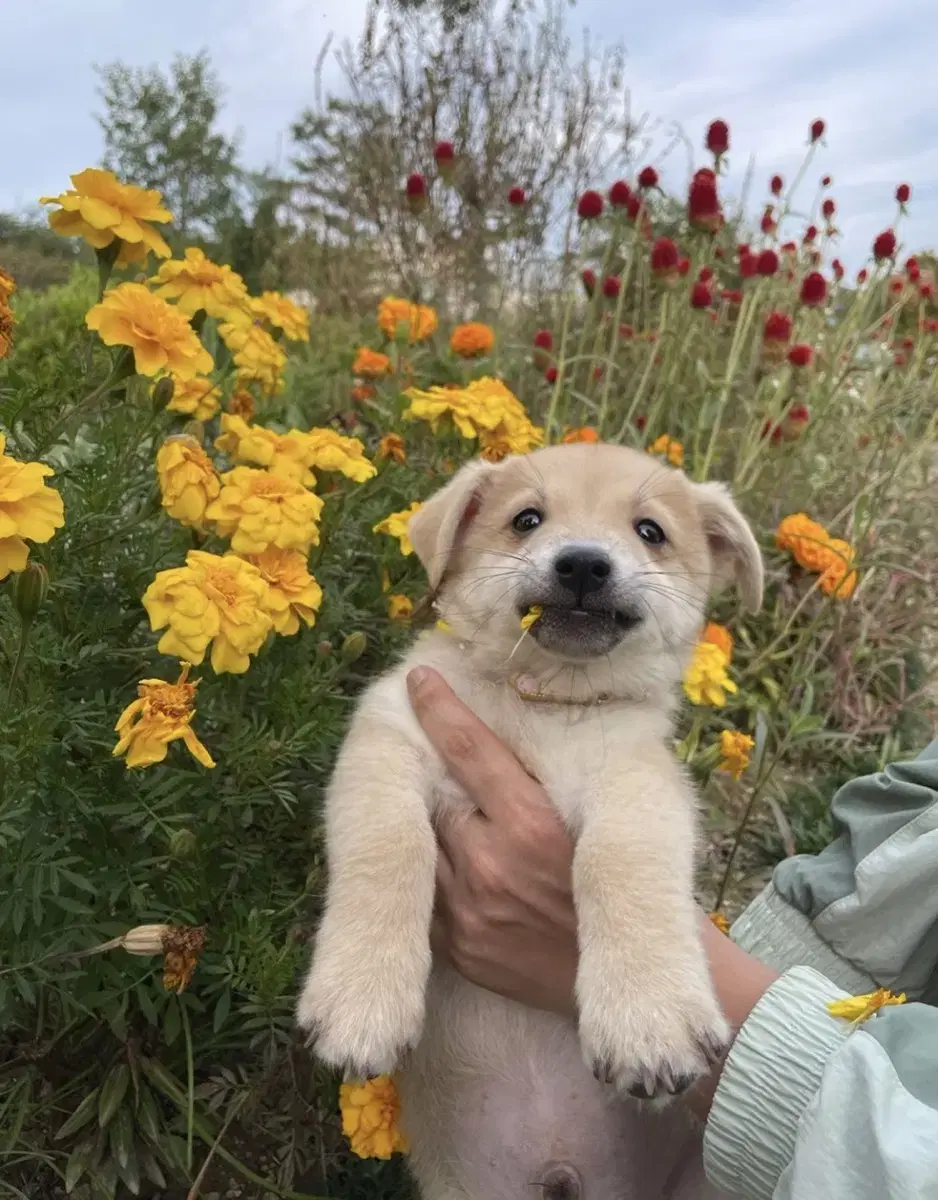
[[908, 343], [914, 273], [885, 245], [809, 235], [772, 431], [703, 203], [612, 285], [789, 248], [863, 275], [837, 267], [626, 332], [598, 373], [516, 197], [826, 181], [641, 420], [732, 296], [767, 262], [813, 289], [926, 291], [590, 206], [800, 355], [664, 258], [444, 154], [899, 360], [718, 138], [903, 193], [748, 265], [543, 344], [589, 281], [777, 327], [896, 286], [700, 296], [705, 274], [619, 194], [776, 183], [817, 129], [551, 374], [796, 420], [415, 189], [648, 178], [718, 252], [911, 264], [828, 208], [683, 266], [768, 224]]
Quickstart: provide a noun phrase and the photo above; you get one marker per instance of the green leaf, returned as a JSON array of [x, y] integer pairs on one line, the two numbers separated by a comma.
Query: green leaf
[[148, 1116], [151, 1168], [122, 1136], [112, 1094], [222, 1009], [80, 1117], [172, 1024], [78, 1162]]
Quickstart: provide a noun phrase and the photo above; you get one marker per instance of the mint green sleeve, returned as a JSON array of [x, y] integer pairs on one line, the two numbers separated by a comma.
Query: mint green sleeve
[[809, 1106]]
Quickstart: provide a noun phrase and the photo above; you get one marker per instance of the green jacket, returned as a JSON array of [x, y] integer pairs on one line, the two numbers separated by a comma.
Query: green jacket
[[810, 1107]]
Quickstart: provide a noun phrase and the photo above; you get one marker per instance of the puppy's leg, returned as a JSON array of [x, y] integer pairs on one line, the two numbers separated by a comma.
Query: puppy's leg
[[363, 999], [649, 1018]]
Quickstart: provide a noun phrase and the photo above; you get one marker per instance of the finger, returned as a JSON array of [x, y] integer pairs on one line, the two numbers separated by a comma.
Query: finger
[[457, 831], [478, 760]]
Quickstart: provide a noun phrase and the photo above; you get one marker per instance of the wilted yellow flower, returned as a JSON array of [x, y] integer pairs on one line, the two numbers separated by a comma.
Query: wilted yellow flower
[[182, 946], [29, 509], [159, 335], [211, 600], [669, 448], [485, 409], [838, 579], [99, 208], [410, 322], [806, 540], [258, 510], [395, 525], [856, 1009], [162, 713], [707, 680], [188, 482], [371, 363], [257, 356], [284, 314], [400, 608], [392, 446], [472, 339], [331, 451], [735, 750], [293, 595], [285, 454], [197, 397], [531, 617], [195, 283], [720, 636], [370, 1118]]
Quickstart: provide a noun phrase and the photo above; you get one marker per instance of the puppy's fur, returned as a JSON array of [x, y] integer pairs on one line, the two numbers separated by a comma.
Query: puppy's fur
[[498, 1099]]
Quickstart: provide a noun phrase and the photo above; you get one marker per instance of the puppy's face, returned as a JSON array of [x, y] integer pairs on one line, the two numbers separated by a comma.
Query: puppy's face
[[616, 550]]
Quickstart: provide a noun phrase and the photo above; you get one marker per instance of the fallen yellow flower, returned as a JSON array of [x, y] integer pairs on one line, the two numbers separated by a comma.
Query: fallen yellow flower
[[534, 613], [856, 1009]]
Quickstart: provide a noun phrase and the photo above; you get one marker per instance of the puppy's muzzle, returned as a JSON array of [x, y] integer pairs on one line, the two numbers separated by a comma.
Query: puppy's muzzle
[[582, 571]]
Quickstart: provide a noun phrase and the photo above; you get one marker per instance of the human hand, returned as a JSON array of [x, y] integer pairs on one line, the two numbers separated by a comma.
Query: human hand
[[504, 914]]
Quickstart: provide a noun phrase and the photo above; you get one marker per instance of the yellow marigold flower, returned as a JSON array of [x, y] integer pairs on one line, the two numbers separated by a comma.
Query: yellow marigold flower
[[838, 579], [187, 478], [159, 335], [182, 946], [7, 286], [669, 448], [286, 454], [585, 434], [391, 446], [257, 356], [211, 600], [720, 636], [409, 322], [856, 1009], [29, 509], [485, 409], [371, 1116], [162, 713], [806, 540], [531, 617], [277, 310], [400, 608], [396, 524], [735, 751], [331, 451], [195, 283], [706, 680], [197, 397], [720, 921], [99, 208], [293, 594], [370, 363], [241, 404], [258, 510], [472, 339]]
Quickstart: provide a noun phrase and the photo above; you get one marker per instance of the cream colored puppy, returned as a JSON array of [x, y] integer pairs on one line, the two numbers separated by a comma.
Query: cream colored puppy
[[619, 553]]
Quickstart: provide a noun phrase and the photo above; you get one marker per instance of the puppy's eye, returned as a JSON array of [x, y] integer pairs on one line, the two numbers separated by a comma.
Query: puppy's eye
[[650, 532], [527, 520]]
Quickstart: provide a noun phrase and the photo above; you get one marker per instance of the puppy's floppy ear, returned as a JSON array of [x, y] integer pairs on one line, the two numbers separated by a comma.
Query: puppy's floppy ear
[[436, 528], [733, 548]]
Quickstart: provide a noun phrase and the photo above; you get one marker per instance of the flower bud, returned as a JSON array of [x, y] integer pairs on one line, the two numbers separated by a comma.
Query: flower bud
[[353, 647], [145, 939], [324, 649], [162, 393], [182, 843], [29, 591]]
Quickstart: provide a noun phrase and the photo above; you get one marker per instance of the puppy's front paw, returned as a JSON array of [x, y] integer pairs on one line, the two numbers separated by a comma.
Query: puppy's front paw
[[361, 1019], [655, 1042]]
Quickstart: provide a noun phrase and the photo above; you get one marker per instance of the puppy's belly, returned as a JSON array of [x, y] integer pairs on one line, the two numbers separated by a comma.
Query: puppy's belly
[[500, 1106]]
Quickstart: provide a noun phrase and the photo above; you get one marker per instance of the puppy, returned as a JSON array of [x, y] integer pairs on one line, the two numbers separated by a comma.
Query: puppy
[[619, 553]]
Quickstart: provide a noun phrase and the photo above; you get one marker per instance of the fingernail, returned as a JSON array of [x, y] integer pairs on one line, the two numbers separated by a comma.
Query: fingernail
[[417, 678]]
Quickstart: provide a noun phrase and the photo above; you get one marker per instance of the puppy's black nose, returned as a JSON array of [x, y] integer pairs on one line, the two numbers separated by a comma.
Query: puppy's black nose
[[582, 569]]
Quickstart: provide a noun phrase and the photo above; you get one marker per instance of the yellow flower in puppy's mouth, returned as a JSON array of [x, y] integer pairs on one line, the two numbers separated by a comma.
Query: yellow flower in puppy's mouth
[[534, 613]]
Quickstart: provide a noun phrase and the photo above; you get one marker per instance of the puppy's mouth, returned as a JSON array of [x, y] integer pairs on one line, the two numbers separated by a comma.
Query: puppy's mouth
[[578, 632]]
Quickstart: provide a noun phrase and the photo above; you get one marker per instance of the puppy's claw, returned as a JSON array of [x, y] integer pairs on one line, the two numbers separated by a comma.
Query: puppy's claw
[[603, 1070]]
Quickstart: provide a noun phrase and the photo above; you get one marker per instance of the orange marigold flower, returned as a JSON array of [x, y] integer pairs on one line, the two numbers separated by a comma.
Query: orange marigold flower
[[719, 635], [669, 448], [391, 446], [806, 540], [472, 339], [371, 363], [371, 1117], [838, 578], [409, 322], [362, 392], [586, 433]]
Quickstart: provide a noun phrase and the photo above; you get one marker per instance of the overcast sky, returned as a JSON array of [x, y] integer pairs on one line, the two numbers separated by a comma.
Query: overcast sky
[[768, 68]]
